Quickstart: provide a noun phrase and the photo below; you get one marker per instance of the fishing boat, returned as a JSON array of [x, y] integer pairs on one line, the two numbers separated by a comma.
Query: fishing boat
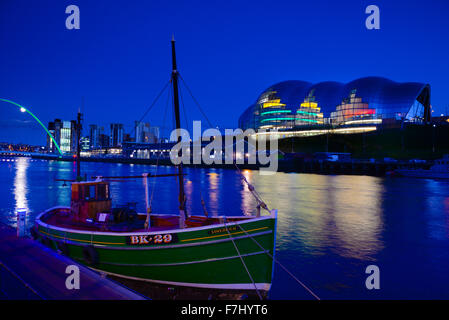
[[439, 170], [234, 252]]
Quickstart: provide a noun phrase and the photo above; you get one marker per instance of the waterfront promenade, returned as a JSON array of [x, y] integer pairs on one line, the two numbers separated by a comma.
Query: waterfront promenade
[[29, 270], [370, 167]]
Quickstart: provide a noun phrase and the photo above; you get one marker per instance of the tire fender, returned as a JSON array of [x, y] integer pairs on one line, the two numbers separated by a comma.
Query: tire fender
[[90, 255], [63, 247], [46, 242]]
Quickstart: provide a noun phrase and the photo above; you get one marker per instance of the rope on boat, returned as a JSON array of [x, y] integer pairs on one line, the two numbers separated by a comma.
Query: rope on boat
[[241, 259], [280, 264], [203, 203], [260, 202], [196, 102], [152, 105]]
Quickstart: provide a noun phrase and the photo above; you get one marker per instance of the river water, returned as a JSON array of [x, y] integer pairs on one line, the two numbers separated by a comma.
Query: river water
[[330, 228]]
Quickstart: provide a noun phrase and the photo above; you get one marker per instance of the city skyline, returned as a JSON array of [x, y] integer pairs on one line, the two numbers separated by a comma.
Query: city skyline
[[118, 61], [94, 136], [224, 150]]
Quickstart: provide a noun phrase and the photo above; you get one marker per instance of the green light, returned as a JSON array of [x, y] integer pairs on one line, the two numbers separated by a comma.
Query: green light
[[309, 120], [273, 119], [36, 118], [310, 113], [276, 111]]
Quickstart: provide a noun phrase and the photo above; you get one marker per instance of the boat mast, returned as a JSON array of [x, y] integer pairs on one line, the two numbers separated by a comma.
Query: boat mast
[[174, 79], [78, 148]]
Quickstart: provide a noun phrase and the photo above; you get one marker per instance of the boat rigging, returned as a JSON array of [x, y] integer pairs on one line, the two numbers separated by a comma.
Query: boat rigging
[[181, 249]]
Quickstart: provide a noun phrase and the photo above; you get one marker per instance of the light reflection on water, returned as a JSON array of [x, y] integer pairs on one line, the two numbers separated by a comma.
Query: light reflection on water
[[326, 211], [329, 228], [20, 184]]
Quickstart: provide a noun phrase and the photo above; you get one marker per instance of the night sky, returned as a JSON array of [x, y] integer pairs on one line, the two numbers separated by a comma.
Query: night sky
[[228, 53]]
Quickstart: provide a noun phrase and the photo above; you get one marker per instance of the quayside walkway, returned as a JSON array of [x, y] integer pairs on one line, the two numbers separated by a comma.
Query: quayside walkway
[[29, 270]]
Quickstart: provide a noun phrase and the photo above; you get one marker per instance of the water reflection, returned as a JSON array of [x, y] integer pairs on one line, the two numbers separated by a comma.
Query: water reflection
[[188, 189], [437, 210], [21, 184], [318, 213], [248, 202], [357, 216], [329, 227], [214, 190]]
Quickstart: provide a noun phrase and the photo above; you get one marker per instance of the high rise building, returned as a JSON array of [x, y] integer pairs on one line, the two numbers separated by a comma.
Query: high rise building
[[94, 136], [141, 129], [64, 133], [127, 137], [103, 140], [145, 133], [154, 134], [85, 143], [116, 137]]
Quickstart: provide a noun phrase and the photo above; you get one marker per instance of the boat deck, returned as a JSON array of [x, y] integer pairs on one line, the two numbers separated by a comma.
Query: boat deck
[[62, 217]]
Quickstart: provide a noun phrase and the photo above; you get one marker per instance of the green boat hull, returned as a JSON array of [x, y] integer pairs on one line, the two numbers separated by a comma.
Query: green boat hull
[[205, 257]]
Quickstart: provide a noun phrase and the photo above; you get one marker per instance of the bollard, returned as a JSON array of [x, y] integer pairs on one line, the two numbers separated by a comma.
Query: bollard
[[21, 222]]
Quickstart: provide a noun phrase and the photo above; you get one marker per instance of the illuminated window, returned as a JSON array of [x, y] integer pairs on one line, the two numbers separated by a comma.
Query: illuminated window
[[269, 100], [416, 112], [66, 135], [309, 112], [352, 109], [273, 112]]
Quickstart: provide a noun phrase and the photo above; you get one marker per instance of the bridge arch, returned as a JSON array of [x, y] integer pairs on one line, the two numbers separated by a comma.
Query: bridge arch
[[35, 118]]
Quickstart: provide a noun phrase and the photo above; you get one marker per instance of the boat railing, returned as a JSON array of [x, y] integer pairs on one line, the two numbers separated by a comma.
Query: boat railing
[[44, 216]]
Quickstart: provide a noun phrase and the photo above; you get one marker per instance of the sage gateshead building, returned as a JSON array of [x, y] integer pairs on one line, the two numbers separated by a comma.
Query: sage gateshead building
[[299, 108]]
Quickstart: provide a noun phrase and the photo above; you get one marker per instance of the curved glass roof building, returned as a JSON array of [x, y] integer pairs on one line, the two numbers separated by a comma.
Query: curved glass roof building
[[370, 101]]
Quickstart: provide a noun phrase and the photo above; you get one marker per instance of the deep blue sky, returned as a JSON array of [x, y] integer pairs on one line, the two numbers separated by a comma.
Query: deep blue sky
[[228, 52]]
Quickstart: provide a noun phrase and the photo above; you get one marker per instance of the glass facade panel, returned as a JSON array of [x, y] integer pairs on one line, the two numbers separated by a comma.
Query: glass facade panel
[[299, 105], [308, 112], [66, 134]]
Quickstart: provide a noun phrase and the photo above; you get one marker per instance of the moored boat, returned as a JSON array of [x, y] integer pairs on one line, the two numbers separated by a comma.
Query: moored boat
[[439, 170], [207, 252], [181, 249]]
